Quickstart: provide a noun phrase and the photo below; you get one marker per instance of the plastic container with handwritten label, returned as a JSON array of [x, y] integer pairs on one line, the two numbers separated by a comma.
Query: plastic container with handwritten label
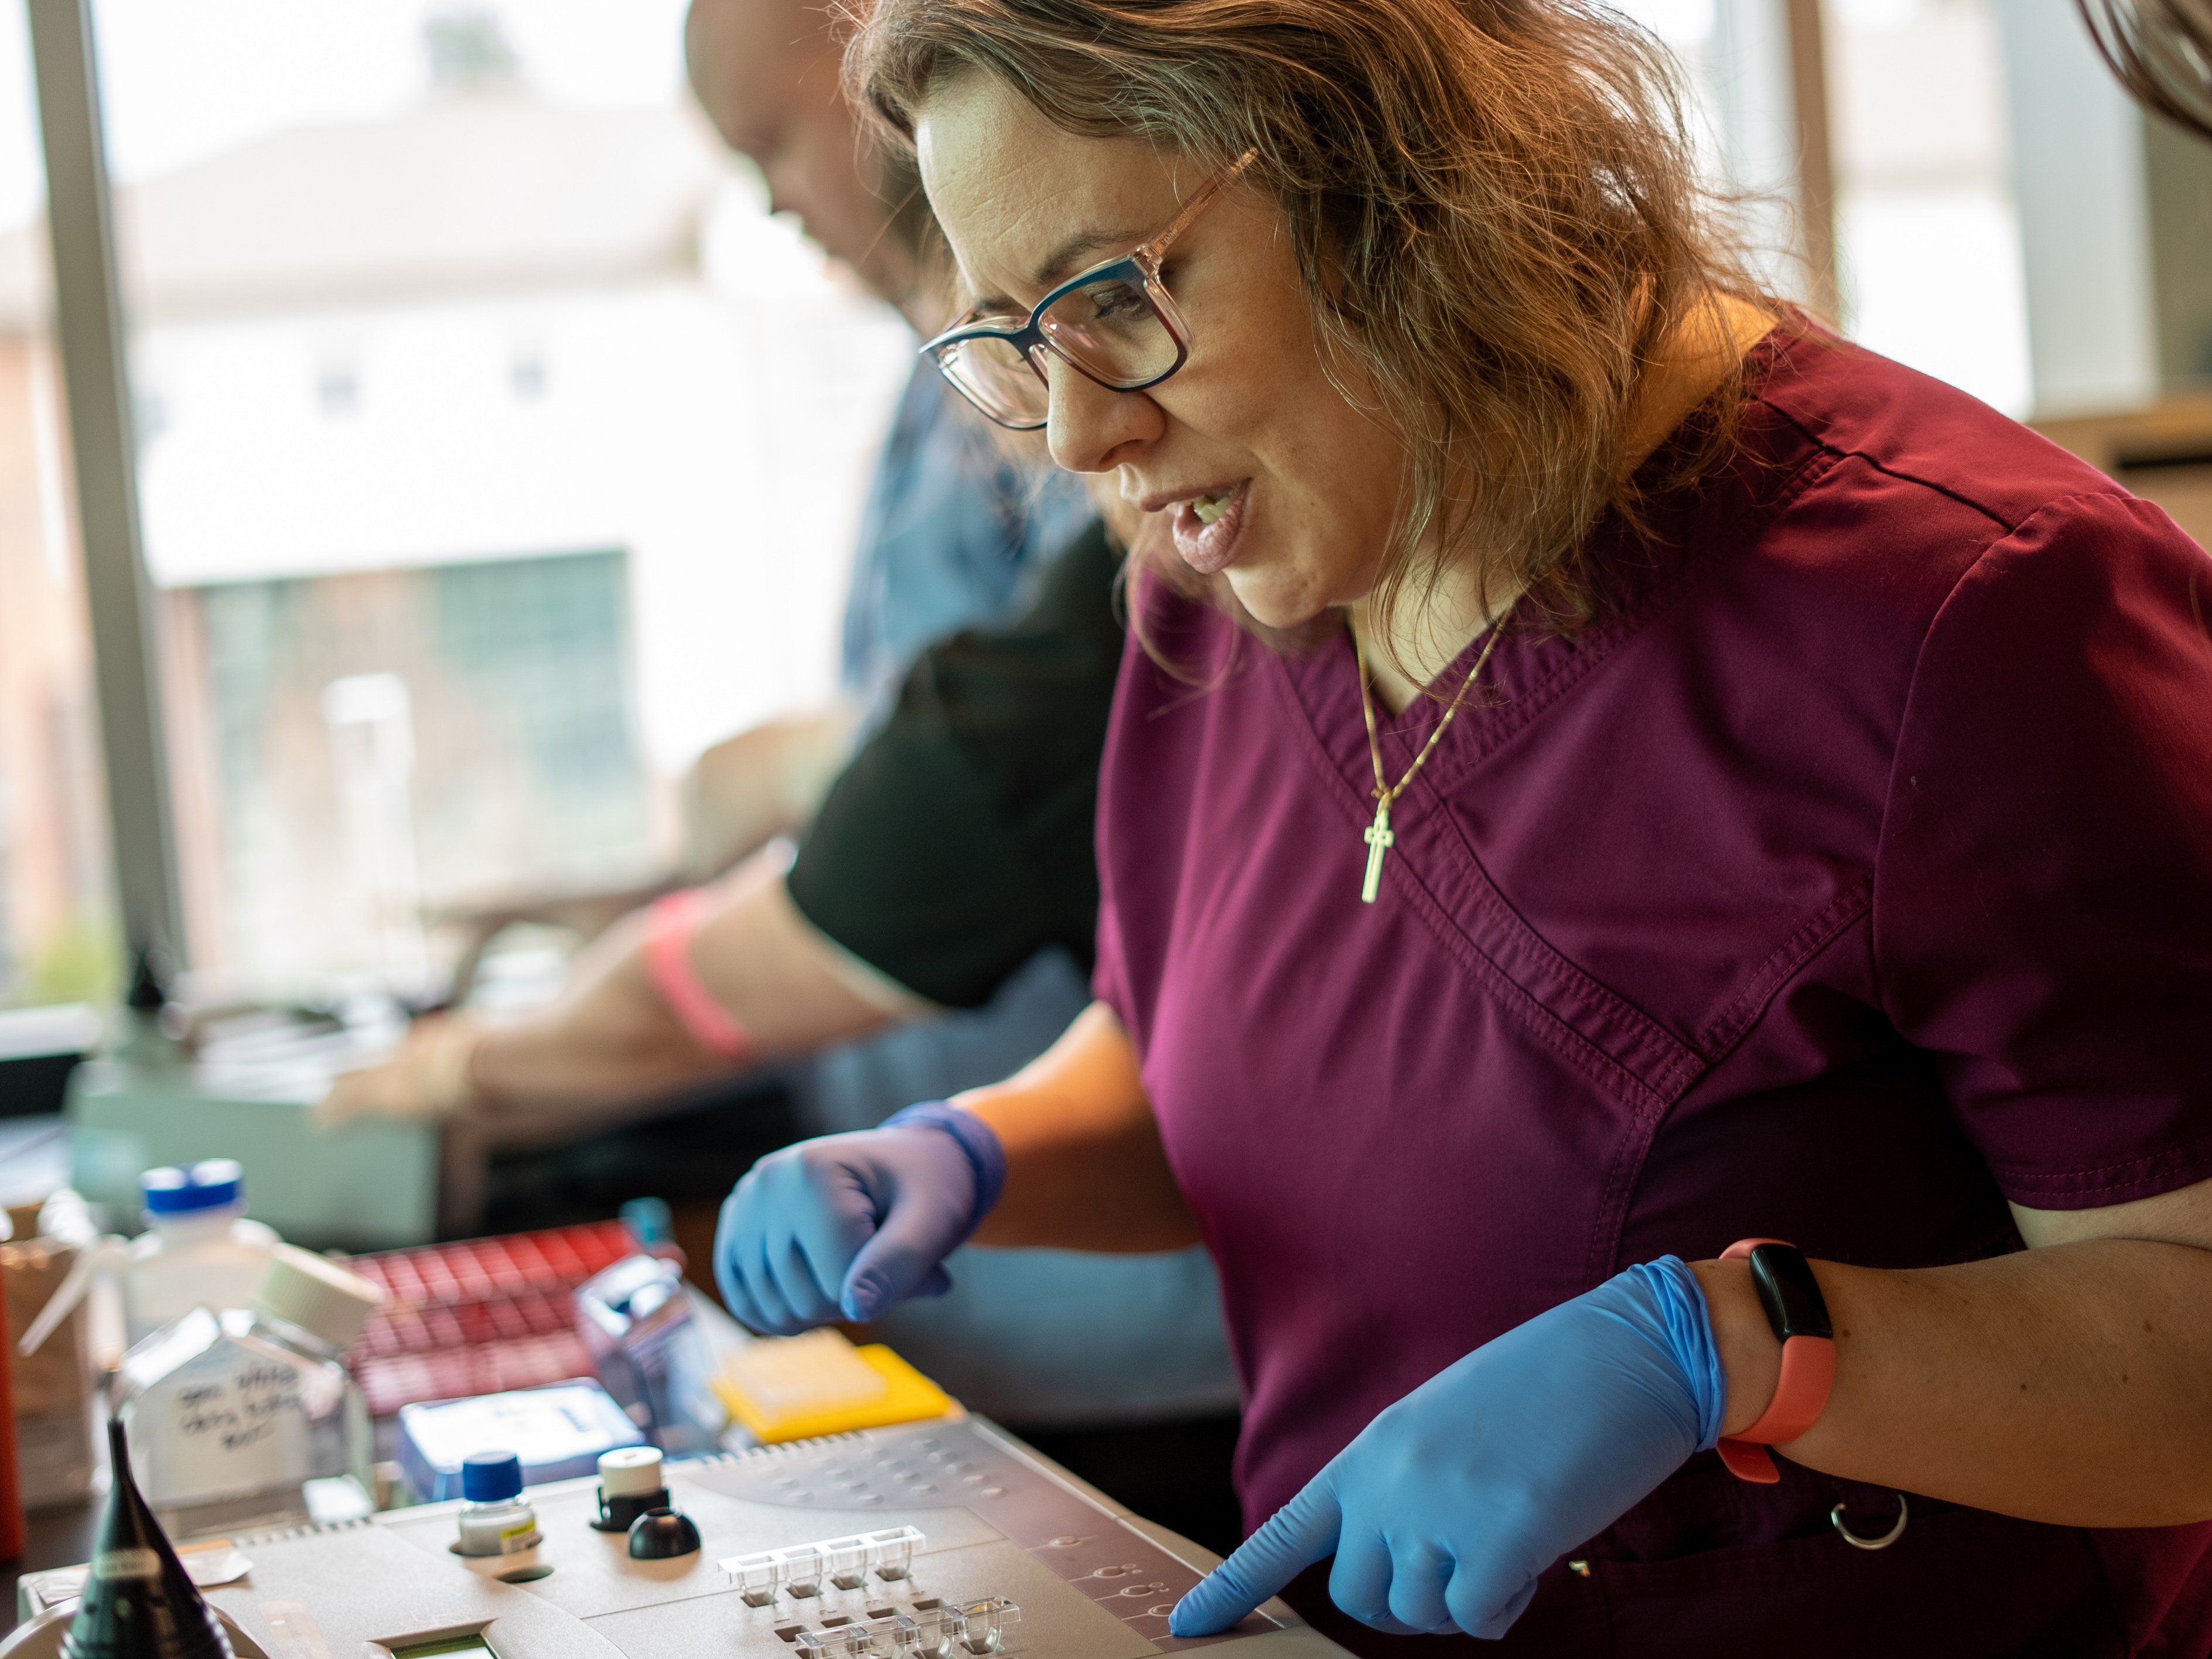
[[240, 1418]]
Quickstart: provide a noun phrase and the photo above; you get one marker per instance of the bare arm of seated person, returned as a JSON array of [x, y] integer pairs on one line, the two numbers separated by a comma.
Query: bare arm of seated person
[[610, 1043], [2062, 1383], [763, 782], [1086, 1170]]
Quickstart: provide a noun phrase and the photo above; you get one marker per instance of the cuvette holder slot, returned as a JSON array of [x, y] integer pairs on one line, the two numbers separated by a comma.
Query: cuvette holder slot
[[799, 1570], [978, 1627]]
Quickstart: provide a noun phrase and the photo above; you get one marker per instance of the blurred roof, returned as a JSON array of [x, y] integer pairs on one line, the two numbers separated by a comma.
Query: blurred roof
[[475, 191]]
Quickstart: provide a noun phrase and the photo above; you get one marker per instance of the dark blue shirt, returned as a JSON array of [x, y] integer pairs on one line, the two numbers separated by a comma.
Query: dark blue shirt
[[953, 528]]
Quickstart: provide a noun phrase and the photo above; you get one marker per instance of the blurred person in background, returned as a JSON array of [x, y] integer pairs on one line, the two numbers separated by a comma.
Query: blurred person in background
[[942, 900], [954, 530]]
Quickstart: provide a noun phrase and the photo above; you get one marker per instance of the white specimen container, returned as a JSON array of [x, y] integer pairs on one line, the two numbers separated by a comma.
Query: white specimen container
[[239, 1417]]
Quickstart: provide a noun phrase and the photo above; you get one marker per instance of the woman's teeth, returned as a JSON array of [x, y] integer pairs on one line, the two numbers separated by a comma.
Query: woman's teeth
[[1207, 534]]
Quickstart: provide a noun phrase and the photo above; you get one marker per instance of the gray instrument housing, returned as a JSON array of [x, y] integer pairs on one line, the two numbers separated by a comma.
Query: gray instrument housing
[[1092, 1580]]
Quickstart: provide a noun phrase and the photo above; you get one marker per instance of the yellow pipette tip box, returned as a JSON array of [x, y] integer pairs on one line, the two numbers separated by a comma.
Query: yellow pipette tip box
[[795, 1388]]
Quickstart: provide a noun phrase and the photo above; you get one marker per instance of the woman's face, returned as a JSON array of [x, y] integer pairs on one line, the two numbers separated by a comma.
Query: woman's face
[[1309, 482]]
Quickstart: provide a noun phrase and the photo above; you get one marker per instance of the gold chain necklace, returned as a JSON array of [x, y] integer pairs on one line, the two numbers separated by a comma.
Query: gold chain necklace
[[1378, 834]]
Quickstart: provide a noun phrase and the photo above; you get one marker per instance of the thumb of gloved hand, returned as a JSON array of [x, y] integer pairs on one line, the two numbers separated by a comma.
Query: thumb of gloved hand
[[847, 1226], [932, 1197]]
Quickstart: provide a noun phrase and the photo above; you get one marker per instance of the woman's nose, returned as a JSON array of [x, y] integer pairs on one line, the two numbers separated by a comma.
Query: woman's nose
[[1090, 428]]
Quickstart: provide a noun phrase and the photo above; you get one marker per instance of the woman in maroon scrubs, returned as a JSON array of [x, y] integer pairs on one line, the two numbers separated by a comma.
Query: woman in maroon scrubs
[[1604, 771]]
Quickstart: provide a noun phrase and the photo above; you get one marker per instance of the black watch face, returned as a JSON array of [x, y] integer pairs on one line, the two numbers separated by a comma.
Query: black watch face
[[1789, 1293]]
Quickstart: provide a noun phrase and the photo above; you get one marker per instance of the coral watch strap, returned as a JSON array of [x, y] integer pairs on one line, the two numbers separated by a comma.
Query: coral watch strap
[[1808, 1370], [673, 920]]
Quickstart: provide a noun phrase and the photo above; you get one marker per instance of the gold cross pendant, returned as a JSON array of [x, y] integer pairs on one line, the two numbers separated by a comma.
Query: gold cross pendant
[[1379, 839]]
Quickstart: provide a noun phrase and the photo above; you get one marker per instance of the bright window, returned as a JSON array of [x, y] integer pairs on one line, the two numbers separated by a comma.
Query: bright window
[[1927, 241], [56, 914], [1928, 244], [497, 453]]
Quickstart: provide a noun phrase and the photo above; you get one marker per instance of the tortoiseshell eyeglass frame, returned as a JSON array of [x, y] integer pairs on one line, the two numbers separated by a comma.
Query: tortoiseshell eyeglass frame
[[1141, 268]]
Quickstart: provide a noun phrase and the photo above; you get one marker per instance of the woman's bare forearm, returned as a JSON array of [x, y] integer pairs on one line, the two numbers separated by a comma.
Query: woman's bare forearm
[[2063, 1383], [1086, 1170]]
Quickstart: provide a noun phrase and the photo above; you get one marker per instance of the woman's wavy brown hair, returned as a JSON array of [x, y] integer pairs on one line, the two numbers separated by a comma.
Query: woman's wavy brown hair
[[1495, 208]]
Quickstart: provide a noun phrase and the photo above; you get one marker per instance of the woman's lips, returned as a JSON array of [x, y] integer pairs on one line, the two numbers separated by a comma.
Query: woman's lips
[[1208, 548]]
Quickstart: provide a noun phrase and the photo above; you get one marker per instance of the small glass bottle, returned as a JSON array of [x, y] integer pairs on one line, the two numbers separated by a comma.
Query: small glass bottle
[[243, 1418], [494, 1519], [199, 1248]]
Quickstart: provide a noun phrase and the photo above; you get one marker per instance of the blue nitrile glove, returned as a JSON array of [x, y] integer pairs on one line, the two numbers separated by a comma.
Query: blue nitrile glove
[[845, 1226], [1444, 1509]]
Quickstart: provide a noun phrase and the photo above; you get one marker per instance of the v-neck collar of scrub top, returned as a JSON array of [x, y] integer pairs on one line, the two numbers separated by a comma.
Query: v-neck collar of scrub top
[[1445, 816], [1530, 670]]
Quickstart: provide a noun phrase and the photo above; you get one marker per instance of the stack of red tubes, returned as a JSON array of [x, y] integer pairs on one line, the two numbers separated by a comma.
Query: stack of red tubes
[[480, 1316]]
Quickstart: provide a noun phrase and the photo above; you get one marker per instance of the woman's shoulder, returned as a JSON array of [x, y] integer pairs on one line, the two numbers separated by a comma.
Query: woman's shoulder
[[1906, 442], [1874, 478]]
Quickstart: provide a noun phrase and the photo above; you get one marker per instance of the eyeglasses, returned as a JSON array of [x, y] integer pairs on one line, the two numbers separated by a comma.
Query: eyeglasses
[[1115, 323]]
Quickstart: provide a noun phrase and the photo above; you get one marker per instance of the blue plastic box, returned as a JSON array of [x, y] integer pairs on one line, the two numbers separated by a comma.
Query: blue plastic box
[[558, 1431]]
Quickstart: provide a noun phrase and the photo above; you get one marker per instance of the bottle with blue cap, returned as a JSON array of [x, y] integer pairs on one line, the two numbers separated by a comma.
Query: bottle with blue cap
[[198, 1249], [493, 1519]]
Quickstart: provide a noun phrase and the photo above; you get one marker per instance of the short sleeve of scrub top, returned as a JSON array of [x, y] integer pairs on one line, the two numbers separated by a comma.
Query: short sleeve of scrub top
[[2042, 913]]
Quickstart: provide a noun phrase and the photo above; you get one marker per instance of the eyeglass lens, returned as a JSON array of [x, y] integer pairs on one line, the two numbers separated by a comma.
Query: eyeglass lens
[[1109, 329]]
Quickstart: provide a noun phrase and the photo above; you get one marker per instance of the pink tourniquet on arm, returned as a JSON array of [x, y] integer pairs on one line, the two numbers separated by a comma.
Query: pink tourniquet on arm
[[674, 919]]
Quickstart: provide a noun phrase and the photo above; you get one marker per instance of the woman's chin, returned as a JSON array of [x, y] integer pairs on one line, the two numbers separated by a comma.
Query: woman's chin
[[1274, 601]]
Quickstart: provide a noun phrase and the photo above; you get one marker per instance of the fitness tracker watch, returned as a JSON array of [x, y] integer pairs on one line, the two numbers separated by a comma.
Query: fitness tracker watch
[[1799, 1317]]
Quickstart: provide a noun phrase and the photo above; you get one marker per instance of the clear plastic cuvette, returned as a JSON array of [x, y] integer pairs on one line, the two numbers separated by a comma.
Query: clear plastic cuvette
[[891, 1552]]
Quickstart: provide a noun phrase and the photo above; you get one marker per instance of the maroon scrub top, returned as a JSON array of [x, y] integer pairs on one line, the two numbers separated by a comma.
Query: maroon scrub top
[[1851, 877]]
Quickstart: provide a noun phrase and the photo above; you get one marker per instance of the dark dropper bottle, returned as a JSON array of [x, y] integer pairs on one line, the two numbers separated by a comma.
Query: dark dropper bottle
[[138, 1603]]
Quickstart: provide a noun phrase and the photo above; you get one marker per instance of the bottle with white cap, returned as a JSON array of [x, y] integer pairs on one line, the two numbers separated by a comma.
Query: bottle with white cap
[[249, 1417], [630, 1483], [199, 1248]]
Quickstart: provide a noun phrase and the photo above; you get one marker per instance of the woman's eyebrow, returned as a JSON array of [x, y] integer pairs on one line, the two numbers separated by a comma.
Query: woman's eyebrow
[[1060, 263]]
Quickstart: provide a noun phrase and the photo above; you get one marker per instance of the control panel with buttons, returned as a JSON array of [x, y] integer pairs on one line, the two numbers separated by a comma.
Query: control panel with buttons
[[945, 1539]]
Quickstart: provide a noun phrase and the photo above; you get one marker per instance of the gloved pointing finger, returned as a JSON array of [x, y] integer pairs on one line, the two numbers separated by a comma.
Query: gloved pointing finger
[[1302, 1532], [1447, 1507]]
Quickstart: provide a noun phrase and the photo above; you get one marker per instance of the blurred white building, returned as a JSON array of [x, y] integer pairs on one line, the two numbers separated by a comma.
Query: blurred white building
[[531, 408]]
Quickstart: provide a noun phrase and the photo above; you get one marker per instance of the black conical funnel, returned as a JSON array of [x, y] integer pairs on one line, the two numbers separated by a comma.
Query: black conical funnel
[[138, 1604]]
